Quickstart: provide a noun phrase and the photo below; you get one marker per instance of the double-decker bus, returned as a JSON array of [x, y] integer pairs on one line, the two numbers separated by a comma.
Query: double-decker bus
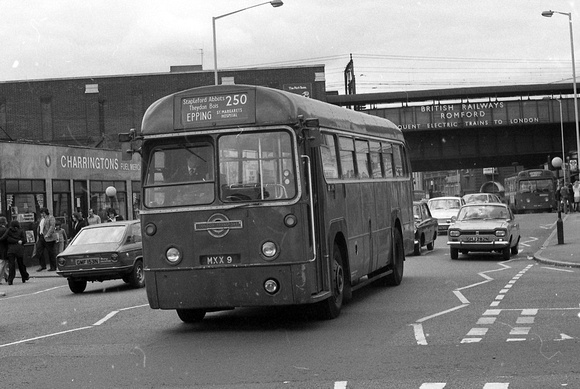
[[531, 191], [299, 201]]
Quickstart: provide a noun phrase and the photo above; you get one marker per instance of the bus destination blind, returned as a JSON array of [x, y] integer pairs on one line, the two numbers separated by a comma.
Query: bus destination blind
[[216, 109]]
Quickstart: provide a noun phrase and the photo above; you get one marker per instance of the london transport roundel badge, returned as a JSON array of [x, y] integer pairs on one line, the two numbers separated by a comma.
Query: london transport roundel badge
[[218, 225]]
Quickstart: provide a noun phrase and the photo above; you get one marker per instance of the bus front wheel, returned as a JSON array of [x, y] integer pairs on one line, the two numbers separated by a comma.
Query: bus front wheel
[[191, 315], [330, 308]]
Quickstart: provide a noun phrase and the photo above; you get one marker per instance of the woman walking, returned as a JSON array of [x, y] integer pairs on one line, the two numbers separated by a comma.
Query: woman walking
[[15, 238]]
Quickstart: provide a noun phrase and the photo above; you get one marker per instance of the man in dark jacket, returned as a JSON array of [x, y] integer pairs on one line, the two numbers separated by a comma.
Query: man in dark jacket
[[3, 250]]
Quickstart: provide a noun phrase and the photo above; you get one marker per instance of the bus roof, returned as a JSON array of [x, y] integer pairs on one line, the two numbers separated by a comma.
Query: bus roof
[[264, 106]]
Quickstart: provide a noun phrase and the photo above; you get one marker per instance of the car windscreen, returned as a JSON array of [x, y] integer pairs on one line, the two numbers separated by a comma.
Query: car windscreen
[[444, 204], [109, 234], [483, 212]]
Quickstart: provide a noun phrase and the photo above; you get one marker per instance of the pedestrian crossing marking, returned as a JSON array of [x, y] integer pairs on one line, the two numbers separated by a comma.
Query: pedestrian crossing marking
[[520, 330], [525, 320]]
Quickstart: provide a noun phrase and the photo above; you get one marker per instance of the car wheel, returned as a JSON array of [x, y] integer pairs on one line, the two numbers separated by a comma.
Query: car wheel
[[191, 315], [77, 286], [454, 253], [331, 307], [516, 249], [417, 249], [137, 277], [505, 253], [431, 245]]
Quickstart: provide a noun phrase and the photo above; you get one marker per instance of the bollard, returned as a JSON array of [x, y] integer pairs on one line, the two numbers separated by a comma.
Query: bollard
[[560, 228]]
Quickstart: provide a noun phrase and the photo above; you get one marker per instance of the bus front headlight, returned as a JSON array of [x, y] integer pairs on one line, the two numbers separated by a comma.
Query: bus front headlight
[[173, 256], [269, 250]]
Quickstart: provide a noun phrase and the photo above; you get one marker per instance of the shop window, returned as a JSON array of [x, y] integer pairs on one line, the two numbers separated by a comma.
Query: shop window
[[23, 203], [61, 201], [99, 201]]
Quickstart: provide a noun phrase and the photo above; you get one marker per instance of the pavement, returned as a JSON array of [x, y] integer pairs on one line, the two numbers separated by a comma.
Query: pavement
[[566, 254]]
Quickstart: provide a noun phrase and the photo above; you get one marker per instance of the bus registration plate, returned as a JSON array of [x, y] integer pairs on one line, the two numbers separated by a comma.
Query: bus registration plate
[[220, 259]]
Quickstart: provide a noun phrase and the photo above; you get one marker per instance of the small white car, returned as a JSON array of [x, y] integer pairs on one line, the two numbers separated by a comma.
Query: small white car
[[481, 227], [443, 209]]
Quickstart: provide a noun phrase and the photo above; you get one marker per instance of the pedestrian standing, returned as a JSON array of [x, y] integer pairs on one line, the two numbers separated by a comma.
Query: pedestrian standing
[[78, 224], [66, 223], [62, 240], [15, 237], [565, 197], [46, 240], [576, 190], [113, 216], [93, 218], [3, 250]]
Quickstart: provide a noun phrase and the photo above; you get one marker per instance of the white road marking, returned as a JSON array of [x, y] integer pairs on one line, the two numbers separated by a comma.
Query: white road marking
[[98, 323], [557, 269], [419, 334], [33, 293], [532, 239]]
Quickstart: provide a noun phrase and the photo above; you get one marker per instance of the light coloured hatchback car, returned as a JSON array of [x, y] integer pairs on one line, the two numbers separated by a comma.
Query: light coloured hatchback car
[[104, 251], [443, 209], [481, 227]]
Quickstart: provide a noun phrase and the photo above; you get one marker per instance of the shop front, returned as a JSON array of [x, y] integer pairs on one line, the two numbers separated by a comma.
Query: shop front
[[66, 180]]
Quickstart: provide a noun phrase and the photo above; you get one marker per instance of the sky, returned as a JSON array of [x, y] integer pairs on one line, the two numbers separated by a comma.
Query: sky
[[395, 45]]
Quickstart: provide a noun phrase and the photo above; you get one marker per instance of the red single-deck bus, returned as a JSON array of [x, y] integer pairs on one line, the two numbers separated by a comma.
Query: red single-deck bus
[[531, 191], [294, 201]]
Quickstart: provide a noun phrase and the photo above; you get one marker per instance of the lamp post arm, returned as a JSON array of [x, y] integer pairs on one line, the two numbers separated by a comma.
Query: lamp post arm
[[214, 18], [240, 10]]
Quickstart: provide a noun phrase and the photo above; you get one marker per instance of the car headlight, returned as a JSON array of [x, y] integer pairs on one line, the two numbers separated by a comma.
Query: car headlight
[[454, 233], [500, 233]]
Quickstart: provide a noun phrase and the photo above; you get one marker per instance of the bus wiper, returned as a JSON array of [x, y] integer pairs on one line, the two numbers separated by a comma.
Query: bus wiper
[[244, 205]]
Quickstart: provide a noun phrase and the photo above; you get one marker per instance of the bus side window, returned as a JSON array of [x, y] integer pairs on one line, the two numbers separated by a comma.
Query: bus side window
[[388, 159], [328, 154], [346, 157], [375, 149], [362, 158]]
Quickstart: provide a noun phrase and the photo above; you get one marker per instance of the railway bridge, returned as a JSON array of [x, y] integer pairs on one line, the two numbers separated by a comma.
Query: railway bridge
[[479, 127]]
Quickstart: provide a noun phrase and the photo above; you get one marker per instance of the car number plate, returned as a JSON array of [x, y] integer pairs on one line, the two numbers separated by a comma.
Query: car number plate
[[88, 261], [220, 259], [477, 239]]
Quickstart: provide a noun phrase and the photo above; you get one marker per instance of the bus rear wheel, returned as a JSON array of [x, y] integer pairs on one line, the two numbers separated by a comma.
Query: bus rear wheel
[[191, 315], [397, 267], [331, 307]]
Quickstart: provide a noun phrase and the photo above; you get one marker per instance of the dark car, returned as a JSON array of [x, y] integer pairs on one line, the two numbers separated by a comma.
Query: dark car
[[484, 227], [101, 252], [425, 227]]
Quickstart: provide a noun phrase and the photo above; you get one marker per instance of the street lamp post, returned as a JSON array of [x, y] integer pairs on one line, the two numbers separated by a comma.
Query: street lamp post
[[274, 3], [549, 14], [562, 133]]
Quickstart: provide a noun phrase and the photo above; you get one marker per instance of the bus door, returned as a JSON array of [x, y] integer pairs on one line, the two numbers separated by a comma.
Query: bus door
[[330, 202]]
